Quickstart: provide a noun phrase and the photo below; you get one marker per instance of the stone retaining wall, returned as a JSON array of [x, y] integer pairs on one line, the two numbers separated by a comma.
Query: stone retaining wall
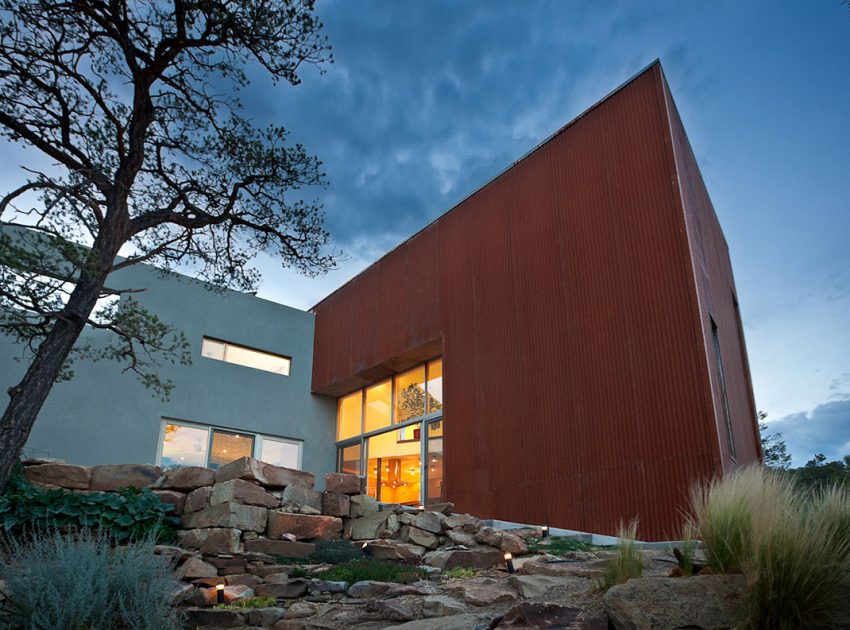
[[249, 506]]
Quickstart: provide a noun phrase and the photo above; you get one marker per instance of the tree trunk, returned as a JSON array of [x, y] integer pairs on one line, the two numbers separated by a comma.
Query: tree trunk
[[28, 396]]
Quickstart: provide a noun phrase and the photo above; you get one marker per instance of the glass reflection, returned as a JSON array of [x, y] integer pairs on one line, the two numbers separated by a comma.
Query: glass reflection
[[184, 446]]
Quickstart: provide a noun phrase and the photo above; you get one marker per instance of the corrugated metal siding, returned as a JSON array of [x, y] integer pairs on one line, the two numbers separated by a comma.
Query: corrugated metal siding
[[563, 295], [712, 270]]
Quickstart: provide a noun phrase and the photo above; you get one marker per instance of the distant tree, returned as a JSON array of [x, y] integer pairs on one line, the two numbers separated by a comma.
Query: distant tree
[[819, 473], [132, 104], [773, 446]]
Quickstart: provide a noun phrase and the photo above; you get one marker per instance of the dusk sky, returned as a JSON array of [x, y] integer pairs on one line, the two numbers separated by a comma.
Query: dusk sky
[[427, 101]]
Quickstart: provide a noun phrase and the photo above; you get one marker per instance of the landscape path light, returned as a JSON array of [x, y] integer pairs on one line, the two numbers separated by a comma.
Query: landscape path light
[[509, 562], [219, 593], [545, 531]]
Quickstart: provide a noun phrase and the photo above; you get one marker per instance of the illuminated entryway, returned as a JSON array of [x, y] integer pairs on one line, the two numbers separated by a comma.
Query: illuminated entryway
[[392, 432]]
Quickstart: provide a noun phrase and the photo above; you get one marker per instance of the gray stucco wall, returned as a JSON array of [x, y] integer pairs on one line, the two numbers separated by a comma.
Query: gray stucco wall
[[103, 416]]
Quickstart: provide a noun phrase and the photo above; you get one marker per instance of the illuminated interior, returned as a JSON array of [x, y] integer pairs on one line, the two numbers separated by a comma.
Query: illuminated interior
[[248, 357], [393, 465], [229, 446]]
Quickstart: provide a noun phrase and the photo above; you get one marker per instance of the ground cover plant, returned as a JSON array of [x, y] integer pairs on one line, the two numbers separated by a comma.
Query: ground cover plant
[[792, 546], [251, 602], [558, 545], [626, 563], [371, 569], [460, 573], [127, 514], [83, 580]]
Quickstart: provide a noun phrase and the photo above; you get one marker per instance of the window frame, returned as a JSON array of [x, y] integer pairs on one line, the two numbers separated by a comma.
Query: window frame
[[256, 451], [242, 346]]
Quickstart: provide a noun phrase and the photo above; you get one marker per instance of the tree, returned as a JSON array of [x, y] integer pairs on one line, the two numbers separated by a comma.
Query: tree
[[134, 105], [773, 446]]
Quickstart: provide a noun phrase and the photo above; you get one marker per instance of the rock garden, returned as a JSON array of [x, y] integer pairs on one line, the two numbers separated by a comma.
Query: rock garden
[[252, 545]]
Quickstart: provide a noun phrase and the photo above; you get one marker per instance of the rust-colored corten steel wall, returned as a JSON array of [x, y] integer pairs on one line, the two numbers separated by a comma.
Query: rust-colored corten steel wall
[[570, 299]]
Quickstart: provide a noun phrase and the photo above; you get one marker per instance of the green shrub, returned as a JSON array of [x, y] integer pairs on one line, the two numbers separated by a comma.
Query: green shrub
[[81, 580], [460, 573], [369, 569], [127, 514], [251, 602], [793, 547], [626, 563]]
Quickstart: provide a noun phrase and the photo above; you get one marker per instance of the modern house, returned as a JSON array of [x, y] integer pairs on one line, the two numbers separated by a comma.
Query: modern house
[[564, 346]]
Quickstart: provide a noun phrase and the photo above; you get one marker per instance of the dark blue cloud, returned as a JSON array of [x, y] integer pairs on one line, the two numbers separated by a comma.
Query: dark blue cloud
[[825, 429]]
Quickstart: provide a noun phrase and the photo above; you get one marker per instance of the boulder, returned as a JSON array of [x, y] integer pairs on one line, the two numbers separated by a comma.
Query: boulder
[[479, 558], [290, 590], [367, 589], [391, 610], [228, 564], [511, 543], [453, 622], [178, 591], [241, 491], [335, 504], [213, 618], [244, 517], [344, 483], [591, 569], [482, 591], [245, 579], [265, 617], [296, 498], [195, 568], [285, 548], [536, 586], [441, 606], [279, 477], [276, 578], [188, 478], [399, 551], [704, 601], [267, 475], [367, 527], [537, 615], [489, 536], [464, 521], [421, 537], [303, 526], [197, 499], [362, 505], [211, 540], [117, 476], [174, 554], [429, 521], [264, 570], [299, 610], [330, 586], [170, 497], [460, 537], [63, 475]]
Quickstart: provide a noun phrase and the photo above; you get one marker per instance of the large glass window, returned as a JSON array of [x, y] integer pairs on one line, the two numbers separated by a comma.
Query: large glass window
[[184, 446], [228, 446], [280, 453], [349, 416], [350, 459], [435, 493], [393, 469], [242, 355], [190, 444], [435, 385], [391, 461], [410, 394], [378, 409]]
